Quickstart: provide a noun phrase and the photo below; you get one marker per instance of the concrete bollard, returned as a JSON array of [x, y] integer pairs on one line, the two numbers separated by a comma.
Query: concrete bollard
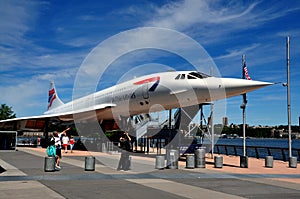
[[293, 162], [269, 161], [89, 163], [160, 162], [244, 161], [190, 161], [218, 160], [104, 149], [49, 164], [172, 159], [200, 158]]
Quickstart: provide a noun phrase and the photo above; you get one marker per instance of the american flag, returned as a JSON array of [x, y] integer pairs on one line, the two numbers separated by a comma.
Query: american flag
[[246, 72]]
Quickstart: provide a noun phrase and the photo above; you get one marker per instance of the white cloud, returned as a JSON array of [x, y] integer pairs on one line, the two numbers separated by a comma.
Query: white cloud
[[14, 21], [184, 14], [237, 52], [213, 21], [18, 17], [29, 95]]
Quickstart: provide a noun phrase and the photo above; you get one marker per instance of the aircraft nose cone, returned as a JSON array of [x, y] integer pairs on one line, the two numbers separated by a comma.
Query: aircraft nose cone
[[240, 86]]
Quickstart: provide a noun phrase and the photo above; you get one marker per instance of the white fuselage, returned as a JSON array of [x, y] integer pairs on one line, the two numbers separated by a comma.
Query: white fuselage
[[168, 89]]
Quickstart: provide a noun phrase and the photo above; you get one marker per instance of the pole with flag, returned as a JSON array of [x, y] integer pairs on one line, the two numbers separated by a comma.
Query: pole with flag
[[245, 75], [243, 106]]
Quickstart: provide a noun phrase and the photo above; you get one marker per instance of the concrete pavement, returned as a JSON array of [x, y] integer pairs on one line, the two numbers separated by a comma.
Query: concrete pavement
[[25, 178]]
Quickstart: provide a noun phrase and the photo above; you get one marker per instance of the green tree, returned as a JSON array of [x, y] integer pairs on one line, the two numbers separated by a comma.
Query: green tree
[[6, 112]]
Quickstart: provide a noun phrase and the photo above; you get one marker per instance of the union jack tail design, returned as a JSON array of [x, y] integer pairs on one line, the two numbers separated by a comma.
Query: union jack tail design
[[53, 99], [246, 72]]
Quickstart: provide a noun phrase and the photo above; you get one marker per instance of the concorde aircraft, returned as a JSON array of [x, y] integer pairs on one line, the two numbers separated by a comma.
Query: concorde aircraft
[[172, 89]]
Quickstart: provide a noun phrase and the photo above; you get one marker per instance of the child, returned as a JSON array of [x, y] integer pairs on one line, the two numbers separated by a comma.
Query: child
[[51, 149], [65, 142], [51, 152], [72, 142]]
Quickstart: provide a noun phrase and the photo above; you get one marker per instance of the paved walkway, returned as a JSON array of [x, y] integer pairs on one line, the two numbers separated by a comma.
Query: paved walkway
[[25, 178]]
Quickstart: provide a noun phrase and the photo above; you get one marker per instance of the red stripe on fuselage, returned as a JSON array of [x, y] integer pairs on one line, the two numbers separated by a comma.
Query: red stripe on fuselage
[[152, 79]]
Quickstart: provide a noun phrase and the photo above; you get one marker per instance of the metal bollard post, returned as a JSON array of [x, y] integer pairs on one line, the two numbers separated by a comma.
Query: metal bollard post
[[190, 161], [269, 161], [49, 164], [218, 161], [244, 161], [89, 163], [200, 158], [160, 162], [172, 159], [293, 162]]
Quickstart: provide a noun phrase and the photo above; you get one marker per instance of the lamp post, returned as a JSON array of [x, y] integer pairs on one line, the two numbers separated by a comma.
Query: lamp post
[[288, 94], [292, 160]]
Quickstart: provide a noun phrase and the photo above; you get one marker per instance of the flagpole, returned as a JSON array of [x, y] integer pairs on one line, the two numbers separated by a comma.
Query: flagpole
[[244, 158], [243, 106], [289, 94]]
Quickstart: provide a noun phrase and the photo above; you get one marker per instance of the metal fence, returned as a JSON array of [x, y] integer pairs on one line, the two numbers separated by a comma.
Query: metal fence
[[257, 151]]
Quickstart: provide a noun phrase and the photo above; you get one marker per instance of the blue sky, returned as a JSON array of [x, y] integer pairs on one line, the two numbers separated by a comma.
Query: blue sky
[[48, 40]]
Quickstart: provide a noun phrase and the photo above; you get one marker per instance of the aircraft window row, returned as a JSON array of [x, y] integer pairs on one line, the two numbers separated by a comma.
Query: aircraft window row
[[192, 75], [113, 92]]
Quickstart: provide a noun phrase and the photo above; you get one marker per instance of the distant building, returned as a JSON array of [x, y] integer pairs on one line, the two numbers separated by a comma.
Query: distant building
[[225, 121]]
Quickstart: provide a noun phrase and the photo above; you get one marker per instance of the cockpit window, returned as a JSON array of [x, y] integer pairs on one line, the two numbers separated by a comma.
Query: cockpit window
[[192, 75], [180, 76], [198, 75]]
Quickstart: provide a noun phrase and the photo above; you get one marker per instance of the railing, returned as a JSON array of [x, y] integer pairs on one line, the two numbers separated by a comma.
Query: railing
[[257, 151]]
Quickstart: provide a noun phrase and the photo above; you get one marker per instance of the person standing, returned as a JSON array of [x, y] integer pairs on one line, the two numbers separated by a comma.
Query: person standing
[[38, 141], [124, 163], [57, 141], [65, 142], [72, 142]]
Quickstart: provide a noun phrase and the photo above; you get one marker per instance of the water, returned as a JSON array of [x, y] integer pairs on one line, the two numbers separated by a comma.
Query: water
[[278, 148], [260, 142]]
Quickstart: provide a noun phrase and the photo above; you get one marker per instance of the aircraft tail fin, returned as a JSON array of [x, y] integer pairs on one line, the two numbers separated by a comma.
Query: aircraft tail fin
[[53, 99]]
